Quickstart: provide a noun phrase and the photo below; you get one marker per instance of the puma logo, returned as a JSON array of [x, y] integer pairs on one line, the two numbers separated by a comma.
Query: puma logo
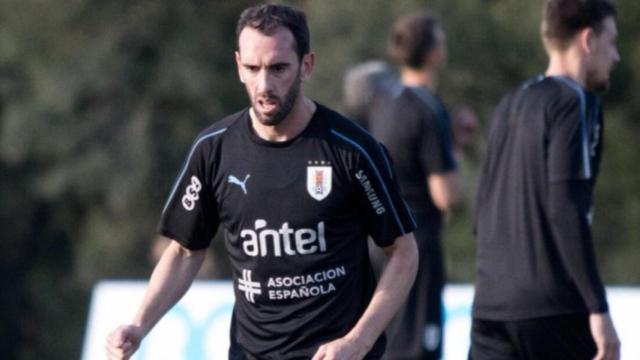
[[243, 184]]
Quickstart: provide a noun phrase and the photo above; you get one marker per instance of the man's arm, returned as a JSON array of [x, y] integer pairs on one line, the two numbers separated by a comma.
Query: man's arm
[[438, 159], [394, 285], [569, 209], [445, 189], [170, 280], [572, 230]]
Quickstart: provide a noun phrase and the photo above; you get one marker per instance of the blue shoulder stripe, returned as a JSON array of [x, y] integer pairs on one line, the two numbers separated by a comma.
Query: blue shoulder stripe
[[586, 163], [533, 81], [186, 164]]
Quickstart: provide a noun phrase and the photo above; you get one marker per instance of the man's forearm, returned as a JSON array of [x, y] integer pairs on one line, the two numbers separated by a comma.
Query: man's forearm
[[393, 287], [572, 233], [445, 189], [170, 280]]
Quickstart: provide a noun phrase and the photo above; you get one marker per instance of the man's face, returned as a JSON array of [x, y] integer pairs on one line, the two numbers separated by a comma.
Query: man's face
[[436, 57], [603, 56], [271, 71]]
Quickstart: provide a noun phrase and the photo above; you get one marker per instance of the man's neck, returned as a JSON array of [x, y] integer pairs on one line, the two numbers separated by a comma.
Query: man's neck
[[295, 122], [567, 64], [420, 78]]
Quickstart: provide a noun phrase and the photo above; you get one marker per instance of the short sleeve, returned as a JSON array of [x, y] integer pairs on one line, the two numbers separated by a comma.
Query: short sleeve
[[568, 146], [387, 216], [436, 150], [190, 215]]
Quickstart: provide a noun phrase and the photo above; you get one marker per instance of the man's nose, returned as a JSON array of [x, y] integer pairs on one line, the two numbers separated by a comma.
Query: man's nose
[[265, 82]]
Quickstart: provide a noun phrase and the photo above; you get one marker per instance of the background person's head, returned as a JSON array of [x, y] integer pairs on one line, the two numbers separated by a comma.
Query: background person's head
[[586, 28], [364, 86], [273, 58], [418, 42]]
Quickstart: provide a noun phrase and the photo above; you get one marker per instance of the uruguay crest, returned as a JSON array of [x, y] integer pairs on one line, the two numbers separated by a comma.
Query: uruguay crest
[[319, 181]]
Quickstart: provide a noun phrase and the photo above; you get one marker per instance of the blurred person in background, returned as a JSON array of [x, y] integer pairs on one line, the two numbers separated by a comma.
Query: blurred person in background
[[297, 188], [412, 122], [538, 291], [368, 88]]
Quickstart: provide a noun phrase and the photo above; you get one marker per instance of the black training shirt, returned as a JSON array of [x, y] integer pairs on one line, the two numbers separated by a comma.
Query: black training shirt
[[535, 255], [415, 129], [296, 217]]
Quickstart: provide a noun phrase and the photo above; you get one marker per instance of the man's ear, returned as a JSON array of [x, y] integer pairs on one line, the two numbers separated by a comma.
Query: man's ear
[[239, 66], [586, 39], [308, 62]]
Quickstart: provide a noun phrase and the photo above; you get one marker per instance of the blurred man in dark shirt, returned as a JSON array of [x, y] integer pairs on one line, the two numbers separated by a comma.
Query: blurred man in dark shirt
[[538, 291]]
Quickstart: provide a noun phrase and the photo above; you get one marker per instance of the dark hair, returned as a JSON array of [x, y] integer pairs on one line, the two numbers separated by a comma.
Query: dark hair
[[267, 18], [562, 19], [412, 37]]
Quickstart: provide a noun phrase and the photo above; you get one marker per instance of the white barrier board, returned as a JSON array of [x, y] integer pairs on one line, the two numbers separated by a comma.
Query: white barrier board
[[198, 326]]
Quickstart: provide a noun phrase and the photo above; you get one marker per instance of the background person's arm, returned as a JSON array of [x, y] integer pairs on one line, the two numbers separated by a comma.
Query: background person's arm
[[170, 280], [392, 289], [569, 212], [445, 189], [437, 158], [569, 202]]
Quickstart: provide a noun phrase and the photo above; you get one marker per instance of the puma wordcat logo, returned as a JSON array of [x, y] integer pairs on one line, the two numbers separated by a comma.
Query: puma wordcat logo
[[243, 184]]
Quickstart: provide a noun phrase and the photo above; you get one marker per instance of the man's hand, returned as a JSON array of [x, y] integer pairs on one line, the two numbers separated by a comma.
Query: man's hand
[[391, 291], [123, 342], [341, 349], [605, 337]]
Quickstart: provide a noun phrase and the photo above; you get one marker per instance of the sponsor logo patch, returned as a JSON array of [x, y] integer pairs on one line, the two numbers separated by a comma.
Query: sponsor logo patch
[[248, 286], [242, 184], [295, 286], [319, 180], [192, 194], [263, 241], [370, 192]]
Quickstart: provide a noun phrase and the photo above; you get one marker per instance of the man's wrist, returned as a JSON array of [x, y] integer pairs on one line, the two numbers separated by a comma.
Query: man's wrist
[[360, 341], [142, 329]]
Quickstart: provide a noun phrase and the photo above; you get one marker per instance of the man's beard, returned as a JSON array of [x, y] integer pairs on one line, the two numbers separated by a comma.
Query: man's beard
[[285, 106]]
